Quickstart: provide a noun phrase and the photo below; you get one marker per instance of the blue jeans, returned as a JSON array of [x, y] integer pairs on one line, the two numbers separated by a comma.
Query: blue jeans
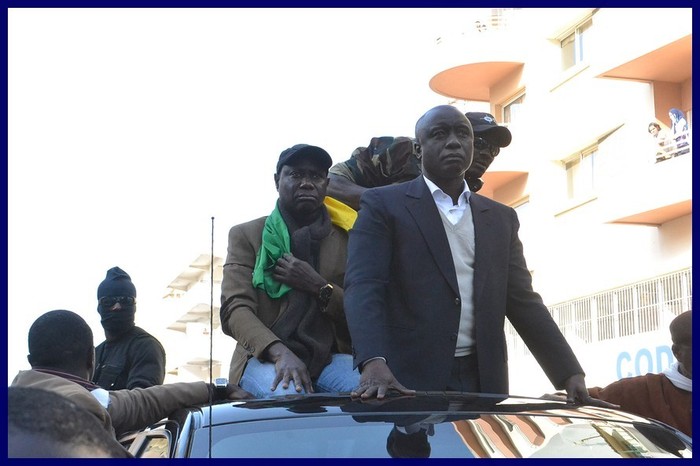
[[337, 376]]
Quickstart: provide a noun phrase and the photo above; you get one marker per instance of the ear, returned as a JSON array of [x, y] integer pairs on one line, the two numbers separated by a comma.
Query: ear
[[675, 350], [277, 182]]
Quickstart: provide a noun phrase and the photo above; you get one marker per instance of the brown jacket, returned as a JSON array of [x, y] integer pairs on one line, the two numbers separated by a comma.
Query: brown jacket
[[247, 313], [128, 409], [653, 396]]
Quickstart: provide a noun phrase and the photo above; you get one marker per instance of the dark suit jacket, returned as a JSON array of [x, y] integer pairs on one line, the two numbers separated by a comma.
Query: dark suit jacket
[[402, 301]]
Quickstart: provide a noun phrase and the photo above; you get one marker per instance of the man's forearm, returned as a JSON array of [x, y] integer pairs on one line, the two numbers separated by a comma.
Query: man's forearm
[[345, 191]]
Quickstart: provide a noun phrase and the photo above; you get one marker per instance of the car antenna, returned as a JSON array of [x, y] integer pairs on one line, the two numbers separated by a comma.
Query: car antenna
[[211, 332]]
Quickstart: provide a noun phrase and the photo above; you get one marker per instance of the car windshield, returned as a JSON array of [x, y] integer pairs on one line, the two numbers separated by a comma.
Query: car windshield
[[437, 436]]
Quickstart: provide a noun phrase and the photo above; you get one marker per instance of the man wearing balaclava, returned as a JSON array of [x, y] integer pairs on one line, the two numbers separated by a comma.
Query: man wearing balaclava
[[130, 357]]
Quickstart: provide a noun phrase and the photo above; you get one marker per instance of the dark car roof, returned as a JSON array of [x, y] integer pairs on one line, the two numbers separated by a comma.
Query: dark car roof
[[448, 403], [329, 404], [451, 424]]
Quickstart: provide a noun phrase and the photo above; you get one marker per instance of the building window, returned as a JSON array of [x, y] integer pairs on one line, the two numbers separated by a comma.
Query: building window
[[573, 46], [513, 110], [580, 174]]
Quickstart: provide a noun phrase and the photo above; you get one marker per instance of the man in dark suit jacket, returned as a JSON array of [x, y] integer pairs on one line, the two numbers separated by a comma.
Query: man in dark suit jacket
[[433, 271]]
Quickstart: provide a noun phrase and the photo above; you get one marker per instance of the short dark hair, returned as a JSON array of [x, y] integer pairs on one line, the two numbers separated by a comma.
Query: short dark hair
[[44, 424], [653, 125], [59, 339]]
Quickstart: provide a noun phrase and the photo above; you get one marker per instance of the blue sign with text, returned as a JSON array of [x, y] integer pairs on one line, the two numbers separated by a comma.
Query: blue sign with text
[[644, 361]]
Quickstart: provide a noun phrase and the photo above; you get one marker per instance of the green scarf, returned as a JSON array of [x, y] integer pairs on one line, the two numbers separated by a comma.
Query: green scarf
[[275, 243]]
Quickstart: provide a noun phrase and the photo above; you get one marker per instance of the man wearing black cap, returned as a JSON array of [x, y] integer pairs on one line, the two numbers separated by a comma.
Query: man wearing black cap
[[281, 293], [388, 160], [488, 140], [130, 357]]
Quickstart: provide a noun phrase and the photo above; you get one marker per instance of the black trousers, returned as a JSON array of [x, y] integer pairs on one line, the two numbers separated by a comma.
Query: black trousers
[[465, 374]]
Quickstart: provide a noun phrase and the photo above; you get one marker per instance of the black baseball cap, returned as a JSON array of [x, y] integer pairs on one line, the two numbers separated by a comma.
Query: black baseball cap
[[319, 155], [484, 125]]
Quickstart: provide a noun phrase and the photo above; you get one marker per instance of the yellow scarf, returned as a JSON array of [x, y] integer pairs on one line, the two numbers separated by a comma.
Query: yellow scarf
[[342, 215]]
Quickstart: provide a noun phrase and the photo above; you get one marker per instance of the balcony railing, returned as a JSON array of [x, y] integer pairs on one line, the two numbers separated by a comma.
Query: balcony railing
[[671, 147], [486, 21], [633, 309]]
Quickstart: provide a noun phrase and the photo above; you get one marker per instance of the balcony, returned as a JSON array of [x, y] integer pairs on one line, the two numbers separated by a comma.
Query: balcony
[[474, 81], [650, 193], [671, 148], [486, 62], [197, 271], [505, 180], [189, 352], [481, 57], [189, 294], [670, 63], [654, 46], [190, 310], [197, 312]]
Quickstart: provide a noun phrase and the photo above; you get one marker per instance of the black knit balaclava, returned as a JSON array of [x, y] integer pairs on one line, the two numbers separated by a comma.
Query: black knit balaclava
[[117, 283]]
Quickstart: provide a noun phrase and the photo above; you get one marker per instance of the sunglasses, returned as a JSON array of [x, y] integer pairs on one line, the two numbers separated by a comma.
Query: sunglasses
[[481, 144], [124, 301]]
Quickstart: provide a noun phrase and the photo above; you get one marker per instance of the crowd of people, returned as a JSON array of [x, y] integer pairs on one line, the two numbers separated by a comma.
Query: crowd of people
[[384, 273]]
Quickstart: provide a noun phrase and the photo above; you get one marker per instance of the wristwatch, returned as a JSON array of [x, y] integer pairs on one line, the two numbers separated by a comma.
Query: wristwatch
[[324, 295], [220, 386]]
